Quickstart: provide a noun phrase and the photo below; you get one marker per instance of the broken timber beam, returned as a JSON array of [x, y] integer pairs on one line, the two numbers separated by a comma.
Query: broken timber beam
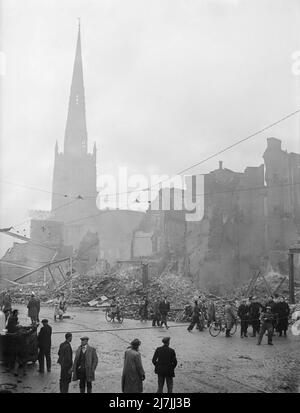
[[280, 284]]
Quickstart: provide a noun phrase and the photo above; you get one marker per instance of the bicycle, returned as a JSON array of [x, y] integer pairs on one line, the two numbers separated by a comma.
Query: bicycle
[[110, 316], [219, 326]]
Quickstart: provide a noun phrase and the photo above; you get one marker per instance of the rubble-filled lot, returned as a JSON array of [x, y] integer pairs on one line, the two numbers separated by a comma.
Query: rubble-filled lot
[[126, 284]]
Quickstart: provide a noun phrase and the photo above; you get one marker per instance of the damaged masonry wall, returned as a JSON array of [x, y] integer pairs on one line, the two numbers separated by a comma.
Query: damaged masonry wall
[[250, 220]]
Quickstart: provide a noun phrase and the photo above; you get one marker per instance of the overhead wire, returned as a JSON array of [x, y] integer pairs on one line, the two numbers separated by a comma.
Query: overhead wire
[[179, 172], [213, 155], [198, 195]]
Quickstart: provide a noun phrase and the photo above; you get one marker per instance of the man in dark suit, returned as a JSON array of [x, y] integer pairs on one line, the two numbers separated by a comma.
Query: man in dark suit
[[164, 308], [44, 343], [243, 313], [85, 363], [164, 360], [65, 359]]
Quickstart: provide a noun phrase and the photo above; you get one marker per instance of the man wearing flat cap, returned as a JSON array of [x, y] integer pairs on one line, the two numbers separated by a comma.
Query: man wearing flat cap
[[44, 343], [85, 363], [133, 372], [164, 360]]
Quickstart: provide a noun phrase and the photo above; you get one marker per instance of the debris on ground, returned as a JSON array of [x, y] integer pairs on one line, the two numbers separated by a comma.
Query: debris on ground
[[126, 284]]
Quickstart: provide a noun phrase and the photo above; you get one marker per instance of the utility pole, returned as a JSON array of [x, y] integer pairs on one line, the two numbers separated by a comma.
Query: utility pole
[[291, 277], [295, 249]]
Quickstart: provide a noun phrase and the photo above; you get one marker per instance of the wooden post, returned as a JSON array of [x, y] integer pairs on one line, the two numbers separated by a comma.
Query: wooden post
[[145, 275], [280, 284], [71, 275], [61, 272], [291, 278], [51, 274]]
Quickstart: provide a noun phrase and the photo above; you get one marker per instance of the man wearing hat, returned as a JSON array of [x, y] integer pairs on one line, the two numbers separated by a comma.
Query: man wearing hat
[[44, 344], [267, 319], [85, 363], [65, 359], [133, 372], [33, 308], [164, 360]]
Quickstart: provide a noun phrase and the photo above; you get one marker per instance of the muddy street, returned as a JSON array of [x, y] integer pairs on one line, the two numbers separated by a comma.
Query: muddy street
[[205, 364]]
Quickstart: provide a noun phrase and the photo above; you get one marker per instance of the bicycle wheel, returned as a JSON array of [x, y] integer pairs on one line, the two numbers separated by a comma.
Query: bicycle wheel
[[215, 329], [108, 316], [233, 329]]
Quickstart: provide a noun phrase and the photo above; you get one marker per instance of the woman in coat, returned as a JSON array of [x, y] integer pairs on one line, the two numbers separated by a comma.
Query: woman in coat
[[133, 372]]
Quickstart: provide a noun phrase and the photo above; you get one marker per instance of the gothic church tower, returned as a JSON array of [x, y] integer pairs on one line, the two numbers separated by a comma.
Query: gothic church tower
[[74, 177]]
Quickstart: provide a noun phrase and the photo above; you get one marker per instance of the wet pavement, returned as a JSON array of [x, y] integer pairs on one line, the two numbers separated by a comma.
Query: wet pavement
[[205, 364]]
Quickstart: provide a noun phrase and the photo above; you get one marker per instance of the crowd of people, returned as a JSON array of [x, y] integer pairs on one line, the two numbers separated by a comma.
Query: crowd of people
[[269, 314], [25, 343]]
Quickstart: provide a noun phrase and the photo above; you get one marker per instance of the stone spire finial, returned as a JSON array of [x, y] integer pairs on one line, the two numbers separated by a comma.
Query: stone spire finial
[[76, 130]]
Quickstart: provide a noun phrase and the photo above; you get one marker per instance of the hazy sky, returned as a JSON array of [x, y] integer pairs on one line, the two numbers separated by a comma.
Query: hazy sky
[[167, 83]]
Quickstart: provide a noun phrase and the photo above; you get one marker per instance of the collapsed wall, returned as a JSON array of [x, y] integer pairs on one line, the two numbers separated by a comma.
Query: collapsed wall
[[229, 240], [250, 220]]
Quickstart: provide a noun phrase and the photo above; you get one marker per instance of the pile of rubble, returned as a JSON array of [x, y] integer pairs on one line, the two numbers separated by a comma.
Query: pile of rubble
[[126, 284], [278, 283]]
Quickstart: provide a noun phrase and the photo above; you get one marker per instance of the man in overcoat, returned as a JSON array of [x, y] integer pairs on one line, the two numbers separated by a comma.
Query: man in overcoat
[[65, 359], [283, 311], [133, 372], [34, 308], [243, 313], [164, 308], [85, 363], [229, 317], [195, 317], [164, 360], [44, 343], [156, 314], [254, 314]]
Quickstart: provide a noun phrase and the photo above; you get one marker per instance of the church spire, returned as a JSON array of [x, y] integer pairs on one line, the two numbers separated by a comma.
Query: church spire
[[76, 131]]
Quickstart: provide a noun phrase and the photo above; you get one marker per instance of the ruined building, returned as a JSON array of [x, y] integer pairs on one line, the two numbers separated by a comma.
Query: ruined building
[[282, 201], [250, 219]]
